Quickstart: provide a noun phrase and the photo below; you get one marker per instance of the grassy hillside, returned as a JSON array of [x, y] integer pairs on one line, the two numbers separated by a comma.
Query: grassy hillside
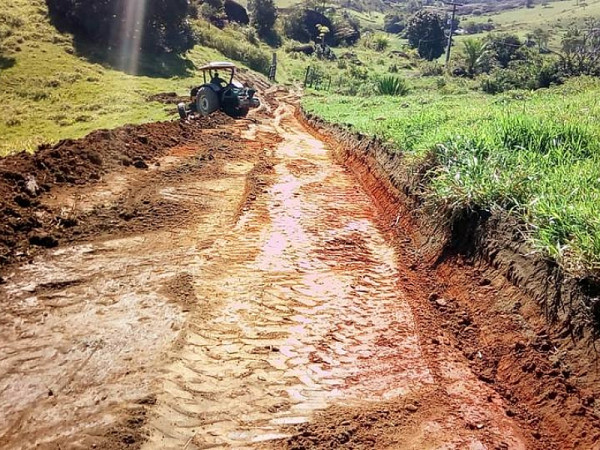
[[556, 15], [50, 92], [535, 154]]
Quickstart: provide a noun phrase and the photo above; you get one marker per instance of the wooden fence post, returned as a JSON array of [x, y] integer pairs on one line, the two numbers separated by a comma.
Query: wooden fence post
[[273, 68], [306, 76]]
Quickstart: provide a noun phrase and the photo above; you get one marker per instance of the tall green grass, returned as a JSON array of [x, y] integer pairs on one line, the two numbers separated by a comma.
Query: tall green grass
[[536, 156]]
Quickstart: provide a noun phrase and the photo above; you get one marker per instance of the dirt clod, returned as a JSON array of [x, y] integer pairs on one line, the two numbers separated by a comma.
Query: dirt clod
[[71, 162], [43, 240]]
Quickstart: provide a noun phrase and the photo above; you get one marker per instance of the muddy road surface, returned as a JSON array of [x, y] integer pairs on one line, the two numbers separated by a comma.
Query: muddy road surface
[[251, 296]]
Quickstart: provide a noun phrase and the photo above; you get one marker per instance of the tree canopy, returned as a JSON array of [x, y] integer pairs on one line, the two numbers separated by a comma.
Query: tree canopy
[[160, 25], [425, 32], [263, 16]]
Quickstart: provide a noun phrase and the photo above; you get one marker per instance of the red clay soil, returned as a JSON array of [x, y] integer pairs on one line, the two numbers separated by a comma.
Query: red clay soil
[[26, 224], [550, 383], [464, 311]]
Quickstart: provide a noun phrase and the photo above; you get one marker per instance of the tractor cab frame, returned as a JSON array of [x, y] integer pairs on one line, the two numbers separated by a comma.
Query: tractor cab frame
[[232, 97]]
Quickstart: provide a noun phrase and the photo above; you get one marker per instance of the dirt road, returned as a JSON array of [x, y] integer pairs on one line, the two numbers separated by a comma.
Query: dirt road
[[273, 301]]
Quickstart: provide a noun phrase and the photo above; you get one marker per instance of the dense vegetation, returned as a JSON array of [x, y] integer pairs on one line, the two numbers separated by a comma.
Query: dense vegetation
[[152, 25]]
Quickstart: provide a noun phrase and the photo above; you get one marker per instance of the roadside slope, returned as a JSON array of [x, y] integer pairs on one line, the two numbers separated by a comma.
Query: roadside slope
[[52, 92], [493, 300]]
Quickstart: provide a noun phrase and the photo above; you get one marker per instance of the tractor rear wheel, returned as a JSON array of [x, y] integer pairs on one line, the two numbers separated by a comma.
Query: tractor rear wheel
[[207, 101]]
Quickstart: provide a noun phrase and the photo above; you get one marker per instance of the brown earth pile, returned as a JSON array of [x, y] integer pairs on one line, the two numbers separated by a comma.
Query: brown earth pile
[[26, 223]]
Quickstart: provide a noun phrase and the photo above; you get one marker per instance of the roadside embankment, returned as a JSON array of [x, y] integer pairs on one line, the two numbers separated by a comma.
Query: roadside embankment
[[527, 326]]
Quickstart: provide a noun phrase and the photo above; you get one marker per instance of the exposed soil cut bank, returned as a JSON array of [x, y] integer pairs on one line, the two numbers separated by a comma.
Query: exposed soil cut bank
[[521, 322]]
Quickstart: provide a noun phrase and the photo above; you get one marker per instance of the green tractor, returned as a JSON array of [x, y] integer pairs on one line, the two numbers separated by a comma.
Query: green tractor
[[216, 94]]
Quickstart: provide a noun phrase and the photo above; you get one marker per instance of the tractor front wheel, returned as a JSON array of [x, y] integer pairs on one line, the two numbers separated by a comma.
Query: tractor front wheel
[[207, 101]]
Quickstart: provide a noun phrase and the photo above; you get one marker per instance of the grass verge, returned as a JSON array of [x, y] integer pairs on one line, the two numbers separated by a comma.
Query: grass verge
[[535, 155]]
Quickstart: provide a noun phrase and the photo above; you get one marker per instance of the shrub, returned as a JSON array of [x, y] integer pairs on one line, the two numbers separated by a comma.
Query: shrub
[[380, 43], [234, 48], [529, 75], [359, 72], [431, 69], [478, 27], [392, 85]]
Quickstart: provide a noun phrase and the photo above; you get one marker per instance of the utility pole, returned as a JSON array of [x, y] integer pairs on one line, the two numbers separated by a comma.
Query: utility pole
[[454, 6]]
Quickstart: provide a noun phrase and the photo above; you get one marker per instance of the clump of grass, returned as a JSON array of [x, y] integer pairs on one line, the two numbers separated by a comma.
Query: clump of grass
[[544, 170], [392, 85]]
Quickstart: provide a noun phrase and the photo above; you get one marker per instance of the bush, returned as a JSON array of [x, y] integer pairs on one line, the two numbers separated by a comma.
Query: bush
[[359, 72], [165, 27], [478, 27], [528, 75], [380, 43], [234, 48], [392, 85]]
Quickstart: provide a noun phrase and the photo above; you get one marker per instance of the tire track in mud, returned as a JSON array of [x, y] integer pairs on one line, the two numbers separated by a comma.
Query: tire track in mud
[[303, 310], [85, 328]]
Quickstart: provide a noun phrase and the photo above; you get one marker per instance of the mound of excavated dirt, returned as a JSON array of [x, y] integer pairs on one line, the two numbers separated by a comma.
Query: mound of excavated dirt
[[168, 98], [25, 222]]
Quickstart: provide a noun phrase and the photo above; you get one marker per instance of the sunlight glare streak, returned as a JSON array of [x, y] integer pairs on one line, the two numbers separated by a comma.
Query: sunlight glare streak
[[132, 33]]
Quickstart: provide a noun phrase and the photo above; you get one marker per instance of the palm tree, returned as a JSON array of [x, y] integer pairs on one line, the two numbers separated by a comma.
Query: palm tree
[[474, 52]]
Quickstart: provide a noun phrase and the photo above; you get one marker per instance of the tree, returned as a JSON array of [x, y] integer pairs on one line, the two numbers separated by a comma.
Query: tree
[[263, 16], [581, 50], [155, 25], [425, 32], [236, 12]]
